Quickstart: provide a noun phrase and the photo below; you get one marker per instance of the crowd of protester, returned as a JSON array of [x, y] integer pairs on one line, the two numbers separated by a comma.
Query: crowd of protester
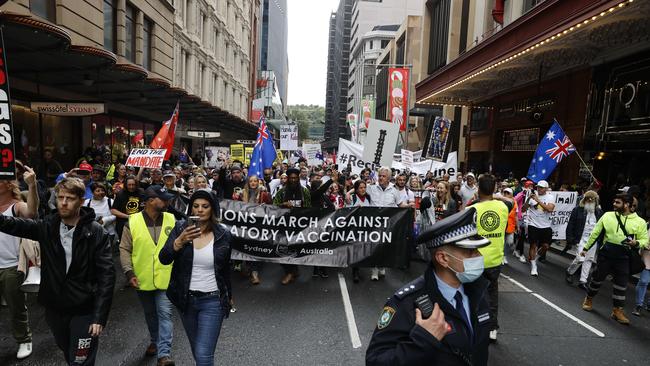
[[134, 206]]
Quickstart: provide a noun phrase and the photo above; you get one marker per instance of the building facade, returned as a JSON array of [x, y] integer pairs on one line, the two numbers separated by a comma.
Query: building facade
[[273, 44], [214, 51], [505, 71], [338, 63], [114, 54]]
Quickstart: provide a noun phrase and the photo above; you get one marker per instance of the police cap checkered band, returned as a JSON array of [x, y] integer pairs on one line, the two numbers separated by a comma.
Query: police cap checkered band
[[459, 229]]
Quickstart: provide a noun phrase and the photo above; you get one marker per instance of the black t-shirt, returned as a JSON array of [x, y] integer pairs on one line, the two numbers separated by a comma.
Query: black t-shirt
[[129, 203]]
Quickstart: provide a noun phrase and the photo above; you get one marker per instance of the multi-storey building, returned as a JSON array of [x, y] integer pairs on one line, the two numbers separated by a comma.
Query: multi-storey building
[[504, 70], [337, 75], [102, 72], [273, 45]]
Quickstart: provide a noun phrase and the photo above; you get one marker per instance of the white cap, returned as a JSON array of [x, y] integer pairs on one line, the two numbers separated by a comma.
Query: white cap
[[542, 184], [509, 190], [624, 189], [470, 174]]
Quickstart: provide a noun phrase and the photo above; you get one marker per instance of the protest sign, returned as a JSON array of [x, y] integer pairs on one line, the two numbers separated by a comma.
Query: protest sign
[[7, 146], [215, 156], [313, 154], [407, 158], [436, 167], [146, 158], [248, 152], [380, 142], [564, 204], [363, 236], [437, 139], [237, 152], [350, 154], [289, 137]]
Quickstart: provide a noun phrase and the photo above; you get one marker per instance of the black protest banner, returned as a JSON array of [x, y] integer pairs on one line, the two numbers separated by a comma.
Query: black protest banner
[[7, 149], [364, 236]]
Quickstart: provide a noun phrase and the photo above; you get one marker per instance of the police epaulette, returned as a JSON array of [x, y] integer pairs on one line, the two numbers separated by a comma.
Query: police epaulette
[[410, 288]]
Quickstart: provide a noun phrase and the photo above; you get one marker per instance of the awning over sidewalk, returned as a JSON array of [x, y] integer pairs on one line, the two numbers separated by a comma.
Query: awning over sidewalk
[[42, 53], [554, 37]]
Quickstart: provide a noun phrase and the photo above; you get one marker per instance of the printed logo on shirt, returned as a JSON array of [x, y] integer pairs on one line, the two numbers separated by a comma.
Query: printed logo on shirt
[[132, 205], [490, 220], [168, 230]]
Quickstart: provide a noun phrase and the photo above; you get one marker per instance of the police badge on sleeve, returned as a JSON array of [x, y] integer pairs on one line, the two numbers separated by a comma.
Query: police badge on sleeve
[[385, 317]]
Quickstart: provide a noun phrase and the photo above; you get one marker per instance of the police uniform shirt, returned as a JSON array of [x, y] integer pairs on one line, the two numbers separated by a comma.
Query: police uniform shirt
[[449, 293]]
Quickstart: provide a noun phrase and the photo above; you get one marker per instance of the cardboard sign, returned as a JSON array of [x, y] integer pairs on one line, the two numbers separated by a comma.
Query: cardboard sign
[[407, 158], [7, 146], [350, 154], [237, 152], [248, 152], [564, 204], [313, 154], [437, 139], [146, 158], [380, 142], [289, 137]]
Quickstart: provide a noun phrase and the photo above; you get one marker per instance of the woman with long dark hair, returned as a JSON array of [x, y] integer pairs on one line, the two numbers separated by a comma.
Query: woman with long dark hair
[[200, 280], [359, 198]]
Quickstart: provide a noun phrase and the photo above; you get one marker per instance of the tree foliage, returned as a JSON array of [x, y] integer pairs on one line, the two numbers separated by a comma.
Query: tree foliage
[[304, 116]]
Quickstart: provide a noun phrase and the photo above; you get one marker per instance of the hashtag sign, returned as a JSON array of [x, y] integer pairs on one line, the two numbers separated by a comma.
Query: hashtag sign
[[343, 158], [380, 146]]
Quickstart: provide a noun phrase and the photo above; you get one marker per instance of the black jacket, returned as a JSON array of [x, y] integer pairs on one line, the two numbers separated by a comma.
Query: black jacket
[[402, 342], [87, 287], [179, 284], [577, 224]]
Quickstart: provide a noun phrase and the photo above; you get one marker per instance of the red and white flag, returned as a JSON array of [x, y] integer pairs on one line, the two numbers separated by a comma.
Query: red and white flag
[[165, 137]]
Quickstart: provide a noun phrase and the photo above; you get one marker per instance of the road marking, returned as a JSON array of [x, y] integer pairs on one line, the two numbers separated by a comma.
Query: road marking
[[559, 309], [349, 314]]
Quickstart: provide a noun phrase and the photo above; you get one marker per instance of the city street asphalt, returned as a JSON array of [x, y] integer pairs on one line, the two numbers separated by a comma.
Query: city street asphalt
[[306, 323]]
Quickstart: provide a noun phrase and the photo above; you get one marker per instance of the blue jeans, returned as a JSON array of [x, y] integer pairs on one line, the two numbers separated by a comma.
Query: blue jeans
[[642, 286], [202, 321], [158, 314]]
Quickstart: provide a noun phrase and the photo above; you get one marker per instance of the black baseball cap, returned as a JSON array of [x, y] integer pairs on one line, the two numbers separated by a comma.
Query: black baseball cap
[[157, 191]]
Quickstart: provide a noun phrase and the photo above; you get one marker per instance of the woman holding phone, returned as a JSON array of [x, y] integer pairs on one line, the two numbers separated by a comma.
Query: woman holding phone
[[200, 281]]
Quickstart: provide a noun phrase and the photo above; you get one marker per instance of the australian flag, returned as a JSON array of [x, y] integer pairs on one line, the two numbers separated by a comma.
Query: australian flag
[[554, 147], [263, 153]]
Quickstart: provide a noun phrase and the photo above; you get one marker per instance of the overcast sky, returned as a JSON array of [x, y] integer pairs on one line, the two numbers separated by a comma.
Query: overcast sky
[[308, 33]]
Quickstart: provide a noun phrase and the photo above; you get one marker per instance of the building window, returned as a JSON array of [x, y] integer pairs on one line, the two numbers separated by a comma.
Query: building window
[[200, 28], [186, 70], [147, 43], [44, 8], [109, 25], [129, 41], [215, 45], [438, 34]]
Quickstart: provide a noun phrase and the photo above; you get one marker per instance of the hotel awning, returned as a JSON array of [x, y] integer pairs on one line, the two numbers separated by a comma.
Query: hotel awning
[[41, 53], [554, 37]]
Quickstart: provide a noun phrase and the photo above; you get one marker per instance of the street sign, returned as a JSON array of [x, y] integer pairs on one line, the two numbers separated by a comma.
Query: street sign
[[204, 134], [246, 142]]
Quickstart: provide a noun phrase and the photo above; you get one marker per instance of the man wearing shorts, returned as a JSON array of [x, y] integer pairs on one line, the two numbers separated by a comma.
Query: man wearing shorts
[[539, 207]]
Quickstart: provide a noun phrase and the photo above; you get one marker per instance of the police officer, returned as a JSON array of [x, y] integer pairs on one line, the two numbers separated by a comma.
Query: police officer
[[441, 318]]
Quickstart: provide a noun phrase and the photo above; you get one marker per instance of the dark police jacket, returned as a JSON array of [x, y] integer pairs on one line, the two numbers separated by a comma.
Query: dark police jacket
[[397, 340]]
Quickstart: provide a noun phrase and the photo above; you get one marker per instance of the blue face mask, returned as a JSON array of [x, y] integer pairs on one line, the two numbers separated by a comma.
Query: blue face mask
[[473, 268]]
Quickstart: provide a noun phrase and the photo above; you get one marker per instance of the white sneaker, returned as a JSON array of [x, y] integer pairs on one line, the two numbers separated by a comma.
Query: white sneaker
[[493, 335], [504, 260], [516, 253], [522, 258], [533, 268], [382, 272], [374, 275], [24, 350]]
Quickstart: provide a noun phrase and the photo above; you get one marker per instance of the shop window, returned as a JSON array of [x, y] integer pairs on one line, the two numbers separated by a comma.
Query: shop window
[[119, 136], [109, 25], [147, 43], [136, 135], [44, 8], [479, 119], [129, 41]]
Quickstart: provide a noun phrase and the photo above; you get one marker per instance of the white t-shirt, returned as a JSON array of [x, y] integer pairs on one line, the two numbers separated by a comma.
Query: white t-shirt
[[203, 278], [590, 223], [389, 197], [406, 195], [9, 245], [102, 208], [468, 193], [537, 216]]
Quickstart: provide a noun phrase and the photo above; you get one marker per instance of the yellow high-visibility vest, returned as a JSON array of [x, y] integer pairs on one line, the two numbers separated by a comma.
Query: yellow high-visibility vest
[[151, 274]]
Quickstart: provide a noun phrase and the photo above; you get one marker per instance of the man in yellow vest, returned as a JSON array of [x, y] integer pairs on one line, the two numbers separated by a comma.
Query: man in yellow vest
[[143, 237], [491, 223]]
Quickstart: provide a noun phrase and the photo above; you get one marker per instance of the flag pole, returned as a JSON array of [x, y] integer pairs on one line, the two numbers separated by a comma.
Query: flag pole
[[586, 166]]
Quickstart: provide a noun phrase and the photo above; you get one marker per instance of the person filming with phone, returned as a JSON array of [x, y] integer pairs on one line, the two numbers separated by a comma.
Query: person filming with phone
[[624, 234], [441, 318], [200, 288]]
